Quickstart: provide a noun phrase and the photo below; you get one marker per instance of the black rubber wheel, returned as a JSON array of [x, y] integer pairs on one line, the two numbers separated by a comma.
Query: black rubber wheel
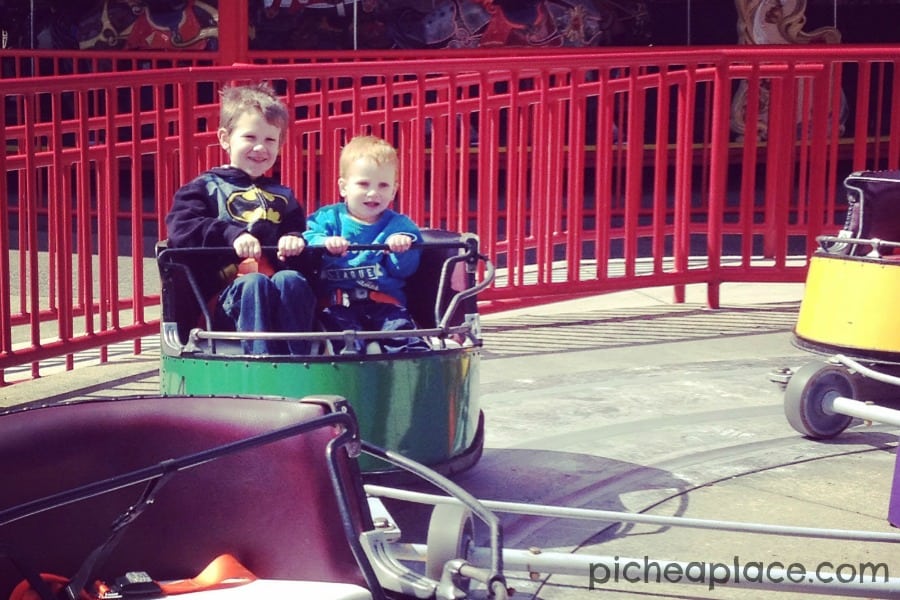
[[805, 396]]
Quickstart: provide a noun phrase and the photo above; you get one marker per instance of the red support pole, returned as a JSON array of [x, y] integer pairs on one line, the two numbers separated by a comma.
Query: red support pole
[[234, 33]]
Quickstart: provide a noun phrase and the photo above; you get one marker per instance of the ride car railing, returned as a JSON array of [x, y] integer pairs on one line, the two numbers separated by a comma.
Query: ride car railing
[[450, 322], [581, 172], [839, 244]]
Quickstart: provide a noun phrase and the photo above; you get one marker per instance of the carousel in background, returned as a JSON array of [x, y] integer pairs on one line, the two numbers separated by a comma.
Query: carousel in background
[[762, 22], [332, 24], [110, 24], [192, 25]]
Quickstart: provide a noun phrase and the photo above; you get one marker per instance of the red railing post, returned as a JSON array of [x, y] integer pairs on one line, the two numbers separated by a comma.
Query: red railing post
[[234, 32], [718, 163]]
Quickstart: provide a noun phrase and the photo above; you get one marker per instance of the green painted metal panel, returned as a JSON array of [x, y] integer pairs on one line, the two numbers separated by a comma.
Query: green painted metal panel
[[422, 405]]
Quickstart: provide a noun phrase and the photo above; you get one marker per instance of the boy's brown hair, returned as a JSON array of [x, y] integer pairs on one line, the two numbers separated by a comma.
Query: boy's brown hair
[[260, 97], [367, 146]]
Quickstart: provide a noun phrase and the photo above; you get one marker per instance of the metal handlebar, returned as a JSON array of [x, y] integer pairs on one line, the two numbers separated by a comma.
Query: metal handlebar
[[168, 254]]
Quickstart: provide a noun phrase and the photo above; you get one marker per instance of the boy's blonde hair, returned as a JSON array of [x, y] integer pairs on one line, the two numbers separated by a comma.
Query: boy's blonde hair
[[367, 146], [260, 97]]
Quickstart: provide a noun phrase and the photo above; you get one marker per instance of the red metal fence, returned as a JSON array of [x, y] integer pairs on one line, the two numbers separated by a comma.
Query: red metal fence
[[582, 173]]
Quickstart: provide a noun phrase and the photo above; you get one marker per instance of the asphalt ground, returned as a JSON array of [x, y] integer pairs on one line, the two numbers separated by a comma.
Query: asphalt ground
[[628, 402]]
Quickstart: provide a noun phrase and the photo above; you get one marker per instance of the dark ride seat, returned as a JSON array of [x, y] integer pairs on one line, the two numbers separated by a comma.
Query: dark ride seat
[[182, 302], [422, 288], [273, 507], [873, 211]]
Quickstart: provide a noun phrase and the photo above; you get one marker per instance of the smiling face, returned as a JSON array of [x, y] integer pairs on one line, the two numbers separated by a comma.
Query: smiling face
[[368, 188], [252, 143]]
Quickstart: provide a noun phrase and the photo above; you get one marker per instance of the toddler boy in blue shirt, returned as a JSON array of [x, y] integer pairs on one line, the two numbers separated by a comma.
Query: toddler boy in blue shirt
[[365, 290]]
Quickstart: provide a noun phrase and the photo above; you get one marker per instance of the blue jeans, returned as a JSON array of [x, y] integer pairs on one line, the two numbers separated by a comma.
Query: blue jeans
[[373, 316], [254, 302]]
